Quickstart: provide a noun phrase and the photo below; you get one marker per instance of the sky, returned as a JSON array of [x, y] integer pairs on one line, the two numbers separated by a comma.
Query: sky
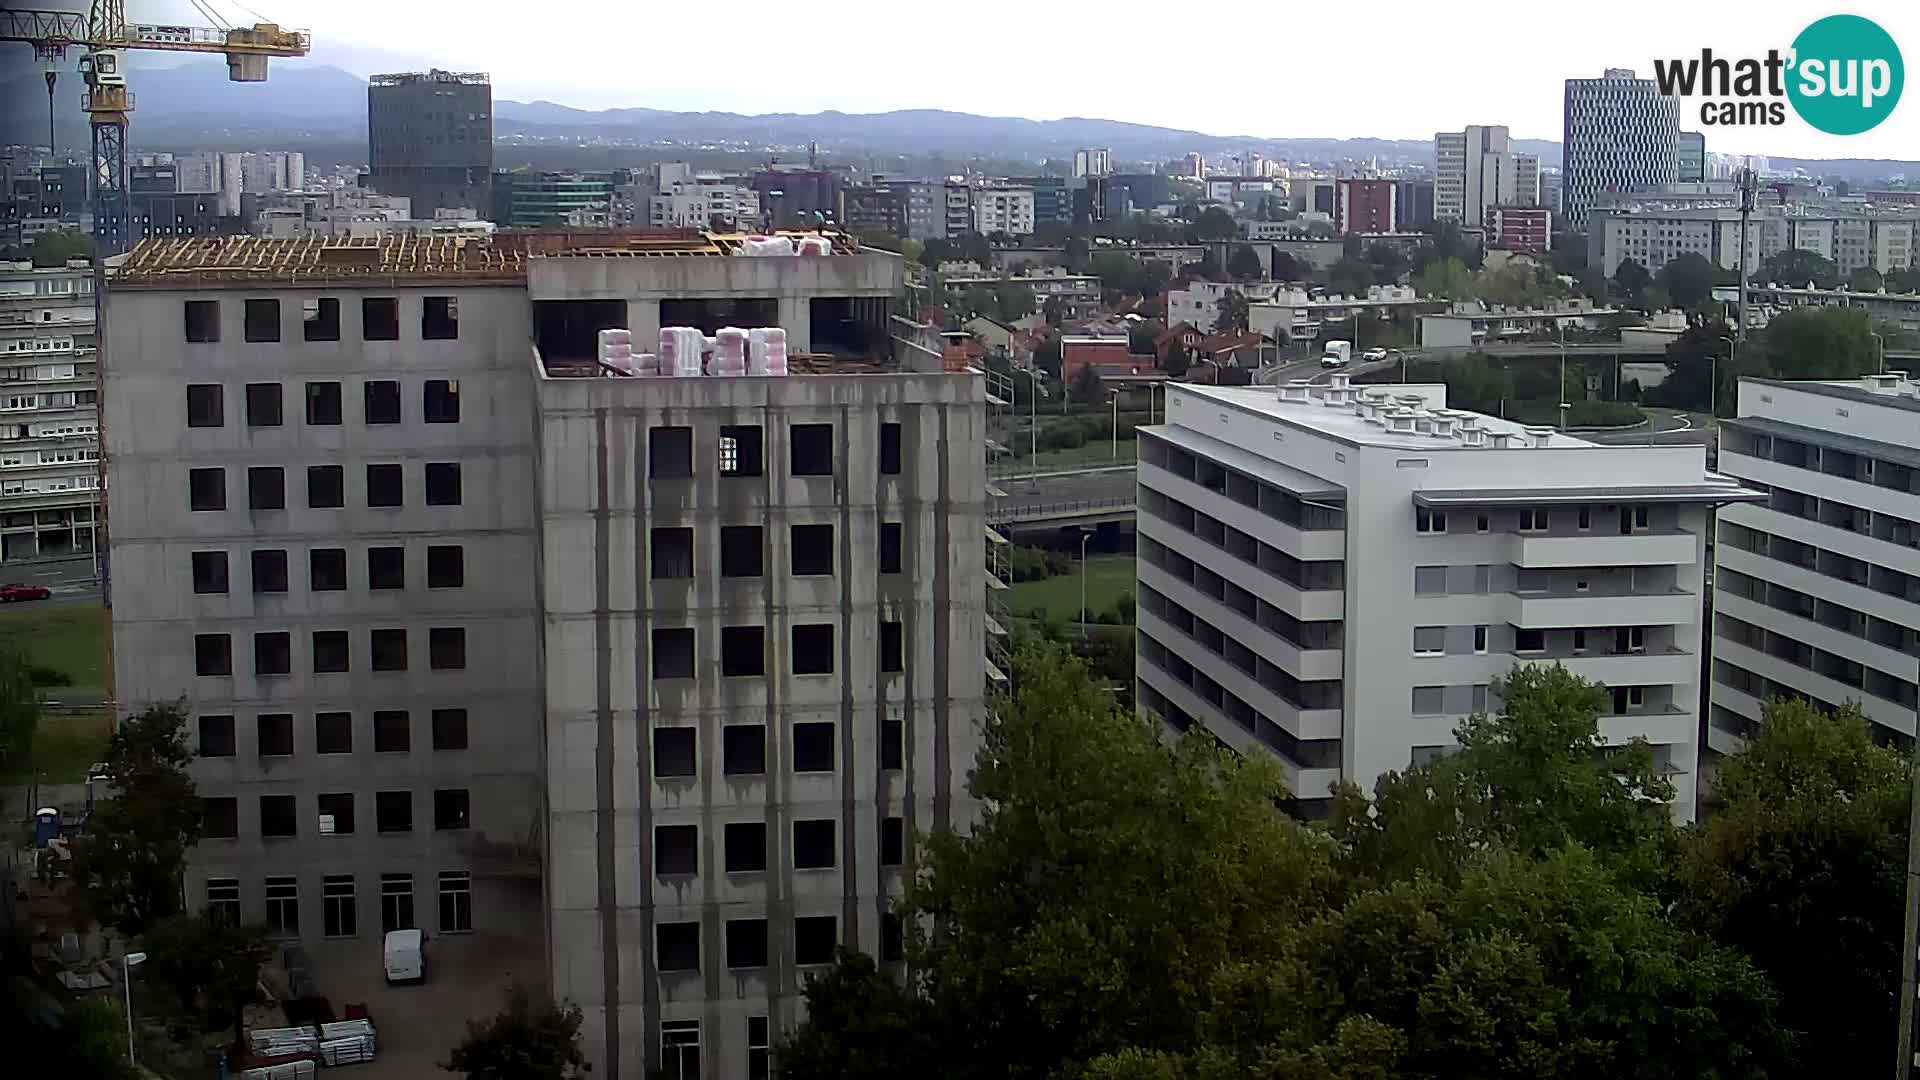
[[1391, 68]]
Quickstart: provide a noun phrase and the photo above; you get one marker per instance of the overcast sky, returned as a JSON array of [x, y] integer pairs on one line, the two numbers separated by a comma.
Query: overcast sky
[[1388, 68]]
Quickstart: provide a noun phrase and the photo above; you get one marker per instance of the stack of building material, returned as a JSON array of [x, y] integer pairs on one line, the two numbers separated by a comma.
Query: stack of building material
[[729, 352], [269, 1042], [767, 351], [616, 350], [347, 1042], [766, 245], [681, 349], [301, 1069], [816, 245]]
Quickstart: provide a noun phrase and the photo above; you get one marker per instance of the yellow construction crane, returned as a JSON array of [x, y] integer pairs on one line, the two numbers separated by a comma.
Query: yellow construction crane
[[106, 36]]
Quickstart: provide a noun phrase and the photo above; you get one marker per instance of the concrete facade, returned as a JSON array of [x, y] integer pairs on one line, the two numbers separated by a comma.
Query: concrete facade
[[320, 731], [624, 872], [1817, 590], [1483, 545]]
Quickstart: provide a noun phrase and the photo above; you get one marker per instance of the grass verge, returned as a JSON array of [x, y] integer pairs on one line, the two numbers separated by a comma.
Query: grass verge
[[1108, 576], [69, 638]]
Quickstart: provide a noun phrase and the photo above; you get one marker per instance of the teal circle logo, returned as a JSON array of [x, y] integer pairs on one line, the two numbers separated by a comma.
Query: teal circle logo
[[1846, 75]]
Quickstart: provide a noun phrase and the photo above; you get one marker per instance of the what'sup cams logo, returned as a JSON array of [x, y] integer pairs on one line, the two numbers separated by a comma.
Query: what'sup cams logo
[[1843, 75]]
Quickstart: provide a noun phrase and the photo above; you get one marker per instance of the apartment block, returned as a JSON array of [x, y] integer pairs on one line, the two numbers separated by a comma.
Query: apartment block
[[1008, 210], [656, 678], [1337, 575], [49, 411], [1476, 170], [1817, 588]]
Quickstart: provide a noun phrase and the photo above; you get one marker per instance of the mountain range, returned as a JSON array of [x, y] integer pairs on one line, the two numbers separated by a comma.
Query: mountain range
[[192, 104]]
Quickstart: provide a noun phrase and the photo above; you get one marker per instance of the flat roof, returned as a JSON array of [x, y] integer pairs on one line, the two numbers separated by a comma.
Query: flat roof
[[1705, 491], [1849, 391], [1827, 437], [1343, 424], [501, 257]]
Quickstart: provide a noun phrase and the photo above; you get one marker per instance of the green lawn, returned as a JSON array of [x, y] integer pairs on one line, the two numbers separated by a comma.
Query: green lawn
[[69, 740], [1092, 455], [70, 638], [1108, 576]]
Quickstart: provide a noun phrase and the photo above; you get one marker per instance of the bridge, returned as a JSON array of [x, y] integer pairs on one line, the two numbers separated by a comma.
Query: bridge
[[1065, 498]]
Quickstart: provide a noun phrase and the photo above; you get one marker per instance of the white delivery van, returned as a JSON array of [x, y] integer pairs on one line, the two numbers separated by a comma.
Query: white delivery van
[[405, 956]]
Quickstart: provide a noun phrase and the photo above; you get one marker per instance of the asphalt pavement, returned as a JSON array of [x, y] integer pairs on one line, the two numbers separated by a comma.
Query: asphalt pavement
[[72, 581]]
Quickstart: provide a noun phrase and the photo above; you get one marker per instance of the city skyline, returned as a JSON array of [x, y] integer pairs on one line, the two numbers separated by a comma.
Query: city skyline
[[1381, 92]]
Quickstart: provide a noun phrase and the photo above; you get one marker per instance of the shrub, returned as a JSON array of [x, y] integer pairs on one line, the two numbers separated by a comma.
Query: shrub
[[1603, 414]]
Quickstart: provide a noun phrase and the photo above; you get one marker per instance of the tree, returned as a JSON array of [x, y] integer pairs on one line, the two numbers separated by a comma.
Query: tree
[[861, 1025], [1177, 361], [1866, 279], [1689, 280], [1817, 343], [1389, 262], [1350, 276], [1045, 946], [1904, 281], [55, 248], [529, 1039], [1119, 272], [1215, 223], [19, 712], [128, 862], [212, 967], [1046, 357], [1233, 312], [1631, 279], [1208, 267], [979, 300], [1533, 777], [1153, 278], [1288, 268], [1086, 387], [1800, 865], [1796, 267], [936, 251], [976, 249], [1054, 310], [1569, 253], [1244, 265], [1446, 279], [1013, 300], [1076, 254], [90, 1041]]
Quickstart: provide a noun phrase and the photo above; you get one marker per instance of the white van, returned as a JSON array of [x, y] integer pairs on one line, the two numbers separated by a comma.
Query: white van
[[405, 956]]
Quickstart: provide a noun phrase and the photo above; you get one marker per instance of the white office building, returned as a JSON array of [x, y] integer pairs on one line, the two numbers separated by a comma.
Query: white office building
[[695, 202], [1621, 135], [1337, 575], [1477, 170], [1817, 589], [1093, 162]]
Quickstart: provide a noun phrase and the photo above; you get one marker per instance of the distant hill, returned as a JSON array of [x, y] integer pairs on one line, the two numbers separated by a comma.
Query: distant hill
[[186, 104]]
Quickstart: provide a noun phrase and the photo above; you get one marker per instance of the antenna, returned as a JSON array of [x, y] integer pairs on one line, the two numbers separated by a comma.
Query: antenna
[[1747, 185]]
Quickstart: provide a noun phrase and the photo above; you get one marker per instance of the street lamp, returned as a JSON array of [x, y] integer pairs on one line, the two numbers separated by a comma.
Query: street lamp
[[129, 961], [1880, 347], [1116, 425], [1085, 535], [1033, 420], [1562, 328], [1713, 375]]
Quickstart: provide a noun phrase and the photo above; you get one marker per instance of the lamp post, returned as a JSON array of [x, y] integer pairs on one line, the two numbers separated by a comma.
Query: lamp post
[[1713, 374], [1562, 397], [1085, 535], [1880, 347], [129, 961], [1116, 425], [1033, 421]]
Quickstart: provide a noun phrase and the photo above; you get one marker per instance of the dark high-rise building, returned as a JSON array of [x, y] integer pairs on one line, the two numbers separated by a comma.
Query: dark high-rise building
[[872, 210], [430, 138], [800, 198], [1143, 190], [1413, 199], [1053, 198]]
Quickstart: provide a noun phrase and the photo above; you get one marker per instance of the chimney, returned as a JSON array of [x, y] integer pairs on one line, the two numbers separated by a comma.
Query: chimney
[[1501, 439], [1540, 436], [1338, 380], [1294, 390], [1473, 436], [1442, 426], [1888, 383], [1400, 421]]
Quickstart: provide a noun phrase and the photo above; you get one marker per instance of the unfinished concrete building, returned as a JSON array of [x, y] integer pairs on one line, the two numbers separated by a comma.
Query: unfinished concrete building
[[716, 643], [763, 649]]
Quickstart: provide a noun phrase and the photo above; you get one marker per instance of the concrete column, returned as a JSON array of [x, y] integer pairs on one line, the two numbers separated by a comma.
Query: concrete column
[[643, 322], [797, 318]]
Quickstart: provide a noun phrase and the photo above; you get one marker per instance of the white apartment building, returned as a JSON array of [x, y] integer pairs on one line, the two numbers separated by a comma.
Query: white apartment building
[[1621, 135], [1651, 234], [49, 411], [694, 203], [1199, 302], [1007, 210], [1296, 314], [1337, 575], [1817, 589], [1476, 170]]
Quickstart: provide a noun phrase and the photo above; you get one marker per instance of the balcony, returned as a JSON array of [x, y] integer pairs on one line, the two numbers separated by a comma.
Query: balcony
[[1655, 668], [1543, 611], [1542, 551]]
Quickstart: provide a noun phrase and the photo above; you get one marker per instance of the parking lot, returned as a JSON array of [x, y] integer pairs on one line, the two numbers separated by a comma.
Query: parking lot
[[418, 1025]]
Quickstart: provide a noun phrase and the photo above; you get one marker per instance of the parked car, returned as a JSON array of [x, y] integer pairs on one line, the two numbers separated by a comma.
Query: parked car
[[1374, 354], [11, 593]]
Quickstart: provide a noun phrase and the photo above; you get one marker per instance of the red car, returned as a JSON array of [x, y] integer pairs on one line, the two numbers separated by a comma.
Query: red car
[[11, 593]]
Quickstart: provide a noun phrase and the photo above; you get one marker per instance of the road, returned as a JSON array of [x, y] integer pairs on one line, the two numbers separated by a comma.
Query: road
[[72, 581]]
